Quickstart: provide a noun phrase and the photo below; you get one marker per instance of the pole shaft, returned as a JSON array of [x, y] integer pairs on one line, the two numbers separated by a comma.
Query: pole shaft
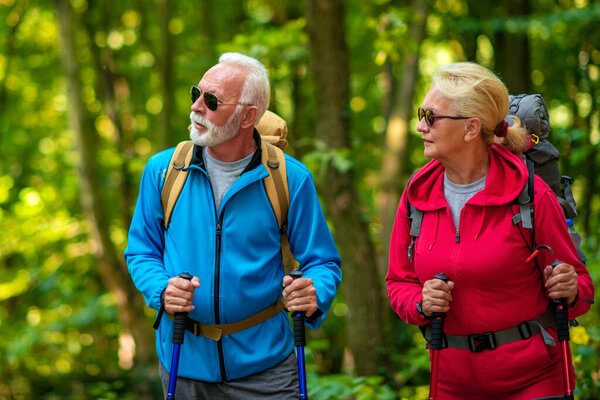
[[300, 342], [301, 372], [174, 365]]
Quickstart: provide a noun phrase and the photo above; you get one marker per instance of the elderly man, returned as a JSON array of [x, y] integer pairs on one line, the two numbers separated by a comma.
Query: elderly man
[[223, 232]]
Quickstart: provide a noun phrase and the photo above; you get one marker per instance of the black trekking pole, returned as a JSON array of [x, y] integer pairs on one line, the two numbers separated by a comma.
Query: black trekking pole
[[178, 331], [300, 342], [562, 333], [436, 344]]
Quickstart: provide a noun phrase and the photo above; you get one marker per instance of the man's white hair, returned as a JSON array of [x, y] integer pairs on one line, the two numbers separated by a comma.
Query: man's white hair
[[256, 90]]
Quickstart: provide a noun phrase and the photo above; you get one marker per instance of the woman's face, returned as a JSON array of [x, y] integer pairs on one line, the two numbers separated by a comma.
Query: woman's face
[[444, 139]]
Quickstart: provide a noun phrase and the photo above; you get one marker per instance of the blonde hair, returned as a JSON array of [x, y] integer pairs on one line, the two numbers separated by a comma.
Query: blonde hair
[[476, 91]]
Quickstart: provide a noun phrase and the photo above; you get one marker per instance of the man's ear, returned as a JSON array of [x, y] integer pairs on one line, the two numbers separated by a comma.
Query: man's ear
[[473, 129], [249, 116]]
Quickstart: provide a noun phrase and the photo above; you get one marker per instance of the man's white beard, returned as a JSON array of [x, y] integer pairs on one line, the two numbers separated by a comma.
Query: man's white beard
[[214, 135]]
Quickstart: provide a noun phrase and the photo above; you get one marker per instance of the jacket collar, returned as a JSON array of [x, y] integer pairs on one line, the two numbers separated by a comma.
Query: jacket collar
[[505, 180], [198, 160]]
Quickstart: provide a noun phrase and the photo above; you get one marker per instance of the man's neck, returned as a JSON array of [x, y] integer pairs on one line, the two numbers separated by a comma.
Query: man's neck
[[236, 148]]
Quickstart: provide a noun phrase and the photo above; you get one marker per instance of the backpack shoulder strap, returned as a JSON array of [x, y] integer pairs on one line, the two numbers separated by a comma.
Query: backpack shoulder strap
[[276, 186], [526, 215], [416, 218], [175, 178]]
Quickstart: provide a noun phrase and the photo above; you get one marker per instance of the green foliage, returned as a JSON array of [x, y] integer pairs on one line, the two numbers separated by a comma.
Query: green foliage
[[343, 387]]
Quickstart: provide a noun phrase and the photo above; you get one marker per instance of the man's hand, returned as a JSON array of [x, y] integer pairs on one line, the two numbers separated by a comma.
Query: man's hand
[[179, 294], [561, 282], [437, 296], [300, 295]]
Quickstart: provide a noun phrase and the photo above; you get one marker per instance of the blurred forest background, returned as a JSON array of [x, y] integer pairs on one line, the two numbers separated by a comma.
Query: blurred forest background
[[90, 89]]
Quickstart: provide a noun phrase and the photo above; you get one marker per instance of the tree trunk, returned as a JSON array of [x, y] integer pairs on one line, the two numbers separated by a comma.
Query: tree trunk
[[511, 52], [112, 270], [104, 65], [361, 286], [394, 172]]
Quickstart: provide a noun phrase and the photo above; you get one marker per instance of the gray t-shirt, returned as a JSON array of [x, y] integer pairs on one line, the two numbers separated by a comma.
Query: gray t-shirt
[[457, 195], [222, 174]]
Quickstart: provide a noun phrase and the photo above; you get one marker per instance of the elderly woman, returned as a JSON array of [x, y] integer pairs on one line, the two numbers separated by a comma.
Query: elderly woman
[[497, 298]]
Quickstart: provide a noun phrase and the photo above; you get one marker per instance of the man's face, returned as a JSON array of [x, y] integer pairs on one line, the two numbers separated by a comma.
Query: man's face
[[210, 128]]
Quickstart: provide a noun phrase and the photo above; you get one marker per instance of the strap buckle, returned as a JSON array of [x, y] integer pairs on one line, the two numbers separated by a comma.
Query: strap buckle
[[524, 330], [478, 343]]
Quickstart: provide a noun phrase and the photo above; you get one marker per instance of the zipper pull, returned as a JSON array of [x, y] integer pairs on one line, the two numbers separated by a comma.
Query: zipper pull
[[457, 236], [218, 229]]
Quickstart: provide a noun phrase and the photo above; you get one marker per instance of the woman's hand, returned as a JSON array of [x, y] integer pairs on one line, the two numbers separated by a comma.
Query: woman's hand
[[437, 296], [561, 282]]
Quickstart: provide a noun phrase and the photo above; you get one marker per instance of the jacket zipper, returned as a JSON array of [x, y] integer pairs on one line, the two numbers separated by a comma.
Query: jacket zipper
[[217, 293], [217, 280]]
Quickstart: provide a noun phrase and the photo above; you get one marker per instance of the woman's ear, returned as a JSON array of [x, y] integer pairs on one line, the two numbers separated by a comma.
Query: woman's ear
[[473, 129], [249, 116]]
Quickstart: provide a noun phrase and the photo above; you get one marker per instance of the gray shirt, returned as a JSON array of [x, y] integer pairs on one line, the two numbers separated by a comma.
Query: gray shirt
[[222, 174], [457, 195]]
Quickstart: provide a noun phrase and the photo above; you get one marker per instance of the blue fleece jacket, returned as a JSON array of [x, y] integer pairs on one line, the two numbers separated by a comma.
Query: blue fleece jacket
[[236, 254]]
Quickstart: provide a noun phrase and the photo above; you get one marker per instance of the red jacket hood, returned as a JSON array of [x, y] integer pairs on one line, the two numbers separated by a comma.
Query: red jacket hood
[[426, 192]]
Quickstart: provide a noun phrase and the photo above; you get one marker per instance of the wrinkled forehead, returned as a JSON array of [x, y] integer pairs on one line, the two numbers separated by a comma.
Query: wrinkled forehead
[[225, 80], [436, 102]]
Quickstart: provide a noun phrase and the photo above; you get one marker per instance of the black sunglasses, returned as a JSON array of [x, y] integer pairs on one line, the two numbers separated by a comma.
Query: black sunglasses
[[430, 117], [210, 99]]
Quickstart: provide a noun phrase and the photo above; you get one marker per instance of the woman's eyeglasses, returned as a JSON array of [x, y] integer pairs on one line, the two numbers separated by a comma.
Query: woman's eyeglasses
[[430, 117], [210, 99]]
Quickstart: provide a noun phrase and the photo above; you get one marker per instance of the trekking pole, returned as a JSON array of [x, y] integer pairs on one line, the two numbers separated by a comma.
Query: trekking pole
[[436, 344], [178, 331], [562, 333], [300, 342]]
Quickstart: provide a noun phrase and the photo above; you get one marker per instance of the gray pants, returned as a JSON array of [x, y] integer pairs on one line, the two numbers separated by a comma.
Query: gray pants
[[279, 382]]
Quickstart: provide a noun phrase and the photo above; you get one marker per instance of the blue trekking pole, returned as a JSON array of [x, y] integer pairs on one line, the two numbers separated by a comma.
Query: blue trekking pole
[[178, 331], [300, 342]]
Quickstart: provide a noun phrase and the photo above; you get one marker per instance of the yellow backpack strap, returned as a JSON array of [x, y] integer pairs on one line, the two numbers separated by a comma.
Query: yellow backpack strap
[[278, 192], [175, 178]]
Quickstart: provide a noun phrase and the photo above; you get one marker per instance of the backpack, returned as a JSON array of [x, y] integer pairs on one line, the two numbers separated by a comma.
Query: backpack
[[273, 132], [541, 158]]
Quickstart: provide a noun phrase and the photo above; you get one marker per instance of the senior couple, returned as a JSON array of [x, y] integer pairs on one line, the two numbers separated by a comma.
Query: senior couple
[[223, 231]]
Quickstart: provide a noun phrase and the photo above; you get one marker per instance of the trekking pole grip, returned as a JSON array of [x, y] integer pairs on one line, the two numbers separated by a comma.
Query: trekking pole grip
[[180, 317], [561, 314], [298, 317], [437, 322]]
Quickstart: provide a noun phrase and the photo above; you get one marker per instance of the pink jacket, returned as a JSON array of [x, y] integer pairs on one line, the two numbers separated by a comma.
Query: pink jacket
[[495, 288]]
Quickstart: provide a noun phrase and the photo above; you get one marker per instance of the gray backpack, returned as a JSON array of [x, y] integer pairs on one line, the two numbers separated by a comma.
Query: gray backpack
[[542, 160]]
